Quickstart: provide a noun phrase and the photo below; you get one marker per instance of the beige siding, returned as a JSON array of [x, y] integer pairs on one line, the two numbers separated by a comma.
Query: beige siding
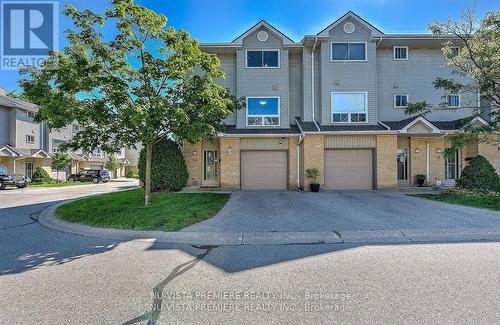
[[264, 144], [350, 141], [228, 66]]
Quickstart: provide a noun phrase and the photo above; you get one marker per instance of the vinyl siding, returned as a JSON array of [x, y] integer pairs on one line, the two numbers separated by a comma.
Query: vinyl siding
[[295, 82], [306, 84], [348, 76], [415, 77], [263, 144], [26, 126], [263, 82], [228, 66], [4, 126]]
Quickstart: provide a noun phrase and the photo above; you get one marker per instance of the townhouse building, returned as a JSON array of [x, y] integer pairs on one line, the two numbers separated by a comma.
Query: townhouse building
[[26, 145], [335, 101]]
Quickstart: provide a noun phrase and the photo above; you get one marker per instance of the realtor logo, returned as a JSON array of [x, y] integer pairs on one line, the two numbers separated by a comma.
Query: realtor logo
[[29, 30]]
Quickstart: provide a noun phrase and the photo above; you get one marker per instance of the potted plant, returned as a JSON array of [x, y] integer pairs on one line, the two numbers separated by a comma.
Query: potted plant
[[313, 173], [420, 179]]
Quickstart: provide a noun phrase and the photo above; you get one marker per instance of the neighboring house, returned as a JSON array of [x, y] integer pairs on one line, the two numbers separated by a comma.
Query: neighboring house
[[26, 145], [21, 139], [333, 101]]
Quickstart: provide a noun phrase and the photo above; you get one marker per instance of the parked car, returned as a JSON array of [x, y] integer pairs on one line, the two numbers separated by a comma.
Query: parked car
[[8, 179], [90, 175]]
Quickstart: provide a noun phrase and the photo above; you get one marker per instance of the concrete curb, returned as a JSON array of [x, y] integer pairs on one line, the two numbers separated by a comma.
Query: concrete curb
[[403, 236]]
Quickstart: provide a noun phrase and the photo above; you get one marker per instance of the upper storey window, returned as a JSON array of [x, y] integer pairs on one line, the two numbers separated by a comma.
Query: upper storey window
[[263, 111], [30, 114], [400, 52], [349, 107], [263, 59], [350, 51]]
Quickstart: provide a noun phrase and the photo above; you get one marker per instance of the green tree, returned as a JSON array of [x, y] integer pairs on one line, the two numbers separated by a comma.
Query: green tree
[[112, 163], [477, 67], [59, 162], [145, 83]]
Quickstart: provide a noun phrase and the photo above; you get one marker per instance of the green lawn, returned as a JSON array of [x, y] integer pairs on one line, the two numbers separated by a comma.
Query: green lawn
[[126, 210], [476, 201]]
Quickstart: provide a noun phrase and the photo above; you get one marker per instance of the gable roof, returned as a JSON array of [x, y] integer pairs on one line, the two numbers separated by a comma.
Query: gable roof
[[17, 103], [374, 30], [263, 23]]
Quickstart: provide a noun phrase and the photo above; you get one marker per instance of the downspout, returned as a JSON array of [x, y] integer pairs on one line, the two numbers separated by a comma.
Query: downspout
[[312, 83], [301, 138], [427, 161]]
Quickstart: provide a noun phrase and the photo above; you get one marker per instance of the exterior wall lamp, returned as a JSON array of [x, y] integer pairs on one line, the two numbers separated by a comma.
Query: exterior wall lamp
[[229, 151], [417, 150]]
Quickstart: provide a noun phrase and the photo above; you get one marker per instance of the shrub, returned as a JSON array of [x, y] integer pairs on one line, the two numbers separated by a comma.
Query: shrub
[[479, 175], [40, 176], [133, 173], [312, 173], [168, 169]]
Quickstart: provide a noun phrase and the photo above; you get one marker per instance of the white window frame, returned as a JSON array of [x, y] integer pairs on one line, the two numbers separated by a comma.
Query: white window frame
[[263, 116], [263, 50], [349, 113], [459, 101], [407, 100], [28, 114], [331, 51], [400, 47], [27, 137]]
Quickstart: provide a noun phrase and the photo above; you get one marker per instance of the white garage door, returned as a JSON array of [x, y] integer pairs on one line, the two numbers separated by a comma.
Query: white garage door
[[96, 167], [264, 170], [348, 169]]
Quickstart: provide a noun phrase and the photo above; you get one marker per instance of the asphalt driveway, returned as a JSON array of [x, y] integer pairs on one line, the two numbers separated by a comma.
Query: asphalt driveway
[[256, 211]]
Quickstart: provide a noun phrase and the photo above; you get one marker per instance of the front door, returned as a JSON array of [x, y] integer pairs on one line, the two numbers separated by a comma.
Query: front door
[[210, 168], [402, 160], [28, 169], [451, 169]]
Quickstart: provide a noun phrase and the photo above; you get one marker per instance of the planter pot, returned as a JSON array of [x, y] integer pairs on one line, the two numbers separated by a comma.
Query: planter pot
[[314, 187]]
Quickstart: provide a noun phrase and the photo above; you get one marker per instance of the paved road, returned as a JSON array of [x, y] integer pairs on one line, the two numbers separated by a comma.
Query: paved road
[[254, 211], [50, 277]]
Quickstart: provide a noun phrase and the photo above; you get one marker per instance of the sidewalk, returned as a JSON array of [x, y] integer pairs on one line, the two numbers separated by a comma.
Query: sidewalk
[[401, 236]]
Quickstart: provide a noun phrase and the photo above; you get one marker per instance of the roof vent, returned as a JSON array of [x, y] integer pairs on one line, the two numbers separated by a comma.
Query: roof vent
[[349, 27], [262, 36]]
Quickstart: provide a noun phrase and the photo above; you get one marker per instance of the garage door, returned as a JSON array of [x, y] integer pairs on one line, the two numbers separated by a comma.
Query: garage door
[[348, 169], [264, 170], [96, 167]]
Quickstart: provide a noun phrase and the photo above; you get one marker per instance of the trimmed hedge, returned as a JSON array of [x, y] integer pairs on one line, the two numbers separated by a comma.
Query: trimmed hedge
[[168, 169], [479, 175], [40, 176]]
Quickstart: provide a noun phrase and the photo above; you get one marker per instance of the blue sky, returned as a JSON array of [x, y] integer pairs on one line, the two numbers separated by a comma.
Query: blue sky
[[223, 20]]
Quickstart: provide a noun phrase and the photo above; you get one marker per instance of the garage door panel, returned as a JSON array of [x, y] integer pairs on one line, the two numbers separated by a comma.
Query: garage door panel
[[264, 170], [349, 169]]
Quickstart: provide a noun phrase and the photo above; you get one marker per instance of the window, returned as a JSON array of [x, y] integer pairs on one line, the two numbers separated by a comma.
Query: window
[[349, 107], [348, 51], [454, 52], [30, 138], [263, 59], [450, 165], [97, 152], [400, 100], [263, 111], [30, 114], [400, 52], [76, 128], [453, 100]]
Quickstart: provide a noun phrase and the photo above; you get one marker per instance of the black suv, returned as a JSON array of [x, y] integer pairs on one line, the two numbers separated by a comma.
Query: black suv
[[90, 175], [8, 179]]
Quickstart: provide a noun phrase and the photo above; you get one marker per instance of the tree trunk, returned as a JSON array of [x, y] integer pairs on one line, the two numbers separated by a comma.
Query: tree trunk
[[147, 181], [57, 176]]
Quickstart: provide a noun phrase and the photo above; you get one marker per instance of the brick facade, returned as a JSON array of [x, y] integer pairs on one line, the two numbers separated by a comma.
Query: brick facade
[[230, 163], [314, 157], [386, 153]]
